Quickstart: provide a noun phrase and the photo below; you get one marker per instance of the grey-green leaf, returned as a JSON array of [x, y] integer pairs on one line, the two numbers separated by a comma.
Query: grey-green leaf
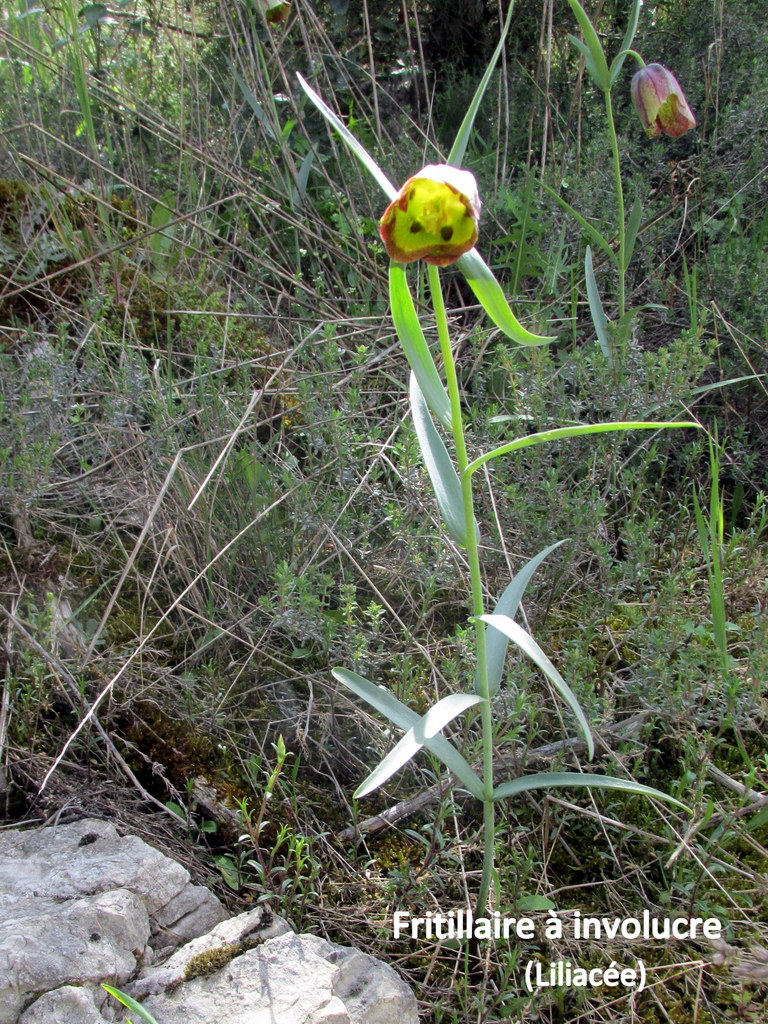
[[352, 143], [599, 319], [599, 69], [551, 780], [415, 346], [528, 645], [633, 226], [456, 156], [385, 702], [435, 719], [440, 468], [490, 294], [378, 697], [626, 43], [495, 641]]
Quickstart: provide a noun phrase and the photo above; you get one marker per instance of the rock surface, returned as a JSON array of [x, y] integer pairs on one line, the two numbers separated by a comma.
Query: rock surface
[[81, 905]]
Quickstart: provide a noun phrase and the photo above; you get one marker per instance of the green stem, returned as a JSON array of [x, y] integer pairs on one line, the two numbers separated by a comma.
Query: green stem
[[473, 557], [619, 198]]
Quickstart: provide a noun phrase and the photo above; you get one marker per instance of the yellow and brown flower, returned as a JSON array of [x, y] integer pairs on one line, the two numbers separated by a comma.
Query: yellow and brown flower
[[433, 218]]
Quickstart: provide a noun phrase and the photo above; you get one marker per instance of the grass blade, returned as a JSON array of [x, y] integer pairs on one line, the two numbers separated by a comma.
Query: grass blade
[[592, 231], [131, 1004]]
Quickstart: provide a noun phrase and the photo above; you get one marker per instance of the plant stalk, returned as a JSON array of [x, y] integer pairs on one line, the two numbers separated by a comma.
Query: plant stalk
[[473, 558], [621, 225]]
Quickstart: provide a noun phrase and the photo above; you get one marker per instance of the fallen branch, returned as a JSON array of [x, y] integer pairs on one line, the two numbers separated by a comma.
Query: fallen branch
[[617, 733]]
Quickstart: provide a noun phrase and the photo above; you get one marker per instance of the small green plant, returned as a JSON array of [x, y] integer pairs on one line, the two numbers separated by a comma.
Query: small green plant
[[433, 217], [663, 109], [282, 864], [130, 1003]]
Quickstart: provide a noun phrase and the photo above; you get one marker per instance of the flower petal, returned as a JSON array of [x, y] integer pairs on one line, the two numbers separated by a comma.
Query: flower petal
[[434, 216], [660, 102]]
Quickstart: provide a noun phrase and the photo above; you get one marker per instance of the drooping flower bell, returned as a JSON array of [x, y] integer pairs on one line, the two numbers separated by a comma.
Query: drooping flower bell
[[434, 217], [660, 102]]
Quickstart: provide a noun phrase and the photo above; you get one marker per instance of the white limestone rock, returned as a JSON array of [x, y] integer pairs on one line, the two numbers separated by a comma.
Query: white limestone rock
[[69, 1005], [293, 979], [77, 941]]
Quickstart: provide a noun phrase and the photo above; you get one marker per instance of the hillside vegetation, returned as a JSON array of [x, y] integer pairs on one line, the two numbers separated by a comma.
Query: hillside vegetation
[[211, 493]]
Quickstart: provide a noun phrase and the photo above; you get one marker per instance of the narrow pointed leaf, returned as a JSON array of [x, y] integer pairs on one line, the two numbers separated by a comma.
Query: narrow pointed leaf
[[551, 780], [131, 1004], [352, 143], [398, 756], [491, 297], [559, 433], [415, 346], [256, 106], [626, 43], [596, 51], [385, 702], [495, 641], [592, 231], [633, 226], [455, 762], [378, 697], [446, 709], [435, 719], [445, 481], [459, 148], [599, 319], [528, 645], [589, 60]]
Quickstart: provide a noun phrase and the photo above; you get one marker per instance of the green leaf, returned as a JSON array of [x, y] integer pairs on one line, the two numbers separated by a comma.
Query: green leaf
[[356, 147], [589, 61], [415, 346], [256, 105], [131, 1004], [599, 319], [534, 904], [96, 15], [445, 480], [593, 233], [481, 280], [626, 43], [378, 697], [495, 641], [551, 780], [633, 226], [459, 147], [435, 720], [406, 719], [558, 433], [528, 645], [597, 64]]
